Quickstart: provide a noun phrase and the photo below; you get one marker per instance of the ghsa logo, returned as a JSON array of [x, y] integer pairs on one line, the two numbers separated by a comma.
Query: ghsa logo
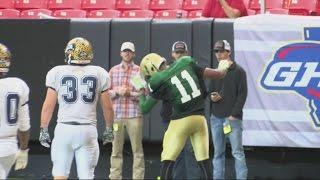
[[295, 67]]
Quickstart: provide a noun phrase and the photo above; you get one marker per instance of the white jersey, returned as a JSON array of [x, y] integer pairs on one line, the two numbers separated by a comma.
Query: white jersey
[[14, 113], [78, 89]]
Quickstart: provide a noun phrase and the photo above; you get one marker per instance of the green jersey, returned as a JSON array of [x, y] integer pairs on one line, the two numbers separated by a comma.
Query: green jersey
[[182, 85]]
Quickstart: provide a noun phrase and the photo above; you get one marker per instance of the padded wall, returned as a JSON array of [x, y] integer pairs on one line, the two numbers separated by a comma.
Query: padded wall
[[133, 30], [36, 46]]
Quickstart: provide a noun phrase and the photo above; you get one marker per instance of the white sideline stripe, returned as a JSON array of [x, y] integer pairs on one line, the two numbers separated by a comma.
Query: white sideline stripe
[[283, 139], [262, 46], [276, 115], [266, 27], [279, 22], [45, 16]]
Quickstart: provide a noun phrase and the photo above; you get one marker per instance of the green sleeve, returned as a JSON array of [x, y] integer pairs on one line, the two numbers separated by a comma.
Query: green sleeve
[[146, 103], [199, 70]]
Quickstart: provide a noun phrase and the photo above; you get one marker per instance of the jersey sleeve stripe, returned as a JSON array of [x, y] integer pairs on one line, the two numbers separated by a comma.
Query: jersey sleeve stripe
[[51, 87], [25, 103], [104, 90]]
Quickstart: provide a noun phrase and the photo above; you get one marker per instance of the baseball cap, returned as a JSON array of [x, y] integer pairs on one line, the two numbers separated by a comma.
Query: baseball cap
[[222, 45], [179, 46], [127, 45]]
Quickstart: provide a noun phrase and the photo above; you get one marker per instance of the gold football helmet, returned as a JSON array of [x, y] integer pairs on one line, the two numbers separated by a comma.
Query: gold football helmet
[[151, 64], [78, 51], [5, 59]]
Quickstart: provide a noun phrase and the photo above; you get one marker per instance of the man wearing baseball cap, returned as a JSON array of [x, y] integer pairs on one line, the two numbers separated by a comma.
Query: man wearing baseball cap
[[222, 45], [127, 46], [127, 114], [228, 97], [179, 49]]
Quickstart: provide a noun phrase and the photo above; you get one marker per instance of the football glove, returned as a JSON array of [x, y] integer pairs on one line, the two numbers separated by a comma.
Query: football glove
[[44, 137], [108, 135], [21, 159], [224, 65]]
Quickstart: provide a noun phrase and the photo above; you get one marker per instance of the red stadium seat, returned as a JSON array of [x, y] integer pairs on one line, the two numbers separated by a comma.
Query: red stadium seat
[[193, 4], [270, 4], [98, 4], [171, 14], [9, 14], [254, 4], [104, 14], [132, 4], [6, 4], [277, 11], [285, 4], [195, 14], [246, 3], [165, 4], [137, 14], [34, 13], [70, 13], [303, 7], [64, 4], [251, 12], [31, 4]]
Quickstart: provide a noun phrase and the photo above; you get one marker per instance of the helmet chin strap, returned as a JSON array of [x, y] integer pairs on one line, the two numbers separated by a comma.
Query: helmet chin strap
[[69, 59], [3, 72]]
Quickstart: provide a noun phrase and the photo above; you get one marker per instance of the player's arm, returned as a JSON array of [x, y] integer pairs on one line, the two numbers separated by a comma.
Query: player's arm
[[108, 113], [206, 72], [24, 137], [23, 133], [24, 126], [48, 107], [107, 108], [218, 73], [46, 115], [214, 73], [146, 103], [22, 155]]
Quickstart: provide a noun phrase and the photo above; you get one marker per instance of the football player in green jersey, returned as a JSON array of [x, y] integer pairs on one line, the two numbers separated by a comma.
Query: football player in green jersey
[[181, 84]]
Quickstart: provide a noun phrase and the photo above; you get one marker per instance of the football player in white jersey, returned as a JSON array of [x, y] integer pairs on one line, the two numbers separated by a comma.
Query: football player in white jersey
[[14, 118], [77, 87]]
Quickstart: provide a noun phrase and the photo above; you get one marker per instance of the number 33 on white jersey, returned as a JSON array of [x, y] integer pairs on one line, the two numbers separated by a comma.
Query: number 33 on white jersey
[[78, 88]]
